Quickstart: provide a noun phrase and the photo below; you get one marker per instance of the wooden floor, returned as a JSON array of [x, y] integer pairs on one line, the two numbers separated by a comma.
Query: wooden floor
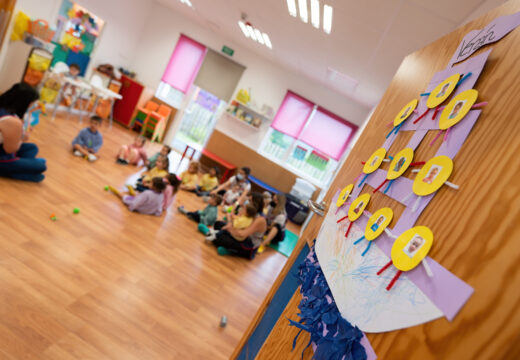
[[107, 283]]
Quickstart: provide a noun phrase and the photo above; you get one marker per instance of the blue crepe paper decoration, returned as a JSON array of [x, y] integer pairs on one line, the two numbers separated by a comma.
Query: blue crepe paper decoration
[[318, 312]]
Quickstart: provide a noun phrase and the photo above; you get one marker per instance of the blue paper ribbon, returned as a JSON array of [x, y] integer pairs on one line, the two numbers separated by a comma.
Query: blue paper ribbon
[[317, 314]]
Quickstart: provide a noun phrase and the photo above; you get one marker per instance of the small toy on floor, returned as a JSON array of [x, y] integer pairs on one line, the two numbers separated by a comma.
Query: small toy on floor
[[106, 188], [223, 321], [53, 217], [75, 210]]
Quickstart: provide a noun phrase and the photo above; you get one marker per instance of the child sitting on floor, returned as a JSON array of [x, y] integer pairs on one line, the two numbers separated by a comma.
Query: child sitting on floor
[[208, 182], [190, 178], [245, 217], [160, 170], [69, 91], [231, 196], [149, 202], [89, 140], [172, 186], [165, 151], [131, 154], [206, 217]]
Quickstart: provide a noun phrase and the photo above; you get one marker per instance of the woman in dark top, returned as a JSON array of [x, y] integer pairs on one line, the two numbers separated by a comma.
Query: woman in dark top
[[18, 158], [226, 241]]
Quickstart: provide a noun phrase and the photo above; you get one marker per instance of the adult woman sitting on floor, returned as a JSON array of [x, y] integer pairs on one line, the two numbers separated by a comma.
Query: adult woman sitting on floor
[[226, 239], [276, 220], [18, 158], [240, 179]]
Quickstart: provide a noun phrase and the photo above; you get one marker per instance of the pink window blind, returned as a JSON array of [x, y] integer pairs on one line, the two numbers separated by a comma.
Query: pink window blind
[[292, 114], [184, 63], [328, 133]]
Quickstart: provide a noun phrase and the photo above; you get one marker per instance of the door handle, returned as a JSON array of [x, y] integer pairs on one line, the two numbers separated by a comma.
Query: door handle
[[318, 208]]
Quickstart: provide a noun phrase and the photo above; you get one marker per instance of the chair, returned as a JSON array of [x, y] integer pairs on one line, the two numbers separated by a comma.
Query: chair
[[156, 123], [142, 114]]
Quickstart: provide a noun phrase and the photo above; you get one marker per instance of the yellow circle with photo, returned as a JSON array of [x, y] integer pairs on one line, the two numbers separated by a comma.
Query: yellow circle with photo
[[457, 108], [411, 247], [374, 161], [432, 175], [378, 223], [442, 91], [344, 194], [358, 206], [405, 112], [400, 163]]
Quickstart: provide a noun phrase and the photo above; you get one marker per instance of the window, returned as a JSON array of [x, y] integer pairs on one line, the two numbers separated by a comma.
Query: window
[[184, 64], [307, 138]]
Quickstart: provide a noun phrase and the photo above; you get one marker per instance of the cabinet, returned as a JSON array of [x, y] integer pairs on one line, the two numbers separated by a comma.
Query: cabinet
[[131, 91]]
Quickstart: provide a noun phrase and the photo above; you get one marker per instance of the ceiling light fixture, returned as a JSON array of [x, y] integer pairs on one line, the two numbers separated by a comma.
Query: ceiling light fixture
[[259, 37], [315, 13], [251, 32], [187, 2], [327, 18], [302, 7], [291, 6], [243, 28], [267, 41]]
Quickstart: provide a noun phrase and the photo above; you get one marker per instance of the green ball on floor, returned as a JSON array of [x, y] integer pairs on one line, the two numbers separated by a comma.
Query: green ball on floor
[[76, 211], [106, 188]]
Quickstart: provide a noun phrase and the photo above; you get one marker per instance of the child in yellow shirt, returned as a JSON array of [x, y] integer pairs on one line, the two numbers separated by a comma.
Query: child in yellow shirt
[[160, 170], [190, 178], [208, 182], [244, 218]]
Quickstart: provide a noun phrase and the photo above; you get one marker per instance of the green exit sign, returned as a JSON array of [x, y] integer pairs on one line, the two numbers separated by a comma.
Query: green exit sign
[[227, 50]]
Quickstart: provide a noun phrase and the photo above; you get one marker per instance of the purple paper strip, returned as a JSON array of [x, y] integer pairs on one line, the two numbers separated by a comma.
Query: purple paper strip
[[444, 289], [493, 32]]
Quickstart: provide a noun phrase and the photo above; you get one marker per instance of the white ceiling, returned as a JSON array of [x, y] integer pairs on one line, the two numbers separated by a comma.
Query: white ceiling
[[369, 38]]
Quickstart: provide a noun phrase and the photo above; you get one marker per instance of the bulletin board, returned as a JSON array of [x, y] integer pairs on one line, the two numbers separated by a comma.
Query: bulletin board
[[476, 227]]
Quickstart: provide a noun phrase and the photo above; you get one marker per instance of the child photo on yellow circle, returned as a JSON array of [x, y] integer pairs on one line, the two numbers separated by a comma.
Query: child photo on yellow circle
[[359, 207], [405, 114], [399, 164], [432, 174], [443, 90], [458, 106], [413, 246]]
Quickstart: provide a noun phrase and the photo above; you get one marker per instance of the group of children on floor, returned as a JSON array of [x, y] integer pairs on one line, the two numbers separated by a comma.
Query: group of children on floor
[[156, 189]]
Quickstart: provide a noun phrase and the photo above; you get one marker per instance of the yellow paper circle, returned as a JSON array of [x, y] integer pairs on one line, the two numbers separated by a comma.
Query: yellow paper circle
[[432, 175], [400, 163], [374, 161], [411, 247], [344, 194], [383, 218], [442, 91], [405, 112], [457, 108], [358, 206]]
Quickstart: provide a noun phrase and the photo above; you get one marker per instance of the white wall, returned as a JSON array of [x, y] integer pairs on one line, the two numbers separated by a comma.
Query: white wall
[[268, 81], [125, 20], [486, 6]]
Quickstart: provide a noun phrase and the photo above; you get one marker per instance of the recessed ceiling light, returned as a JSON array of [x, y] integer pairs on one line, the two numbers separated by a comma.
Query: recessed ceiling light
[[327, 18], [187, 2], [243, 28], [302, 6], [259, 37], [267, 41], [291, 6], [315, 13], [251, 32]]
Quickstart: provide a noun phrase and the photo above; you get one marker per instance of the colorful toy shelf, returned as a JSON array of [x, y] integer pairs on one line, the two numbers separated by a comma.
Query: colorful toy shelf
[[245, 114]]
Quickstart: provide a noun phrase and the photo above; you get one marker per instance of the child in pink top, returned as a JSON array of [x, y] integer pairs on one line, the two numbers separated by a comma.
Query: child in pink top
[[131, 154], [172, 186]]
